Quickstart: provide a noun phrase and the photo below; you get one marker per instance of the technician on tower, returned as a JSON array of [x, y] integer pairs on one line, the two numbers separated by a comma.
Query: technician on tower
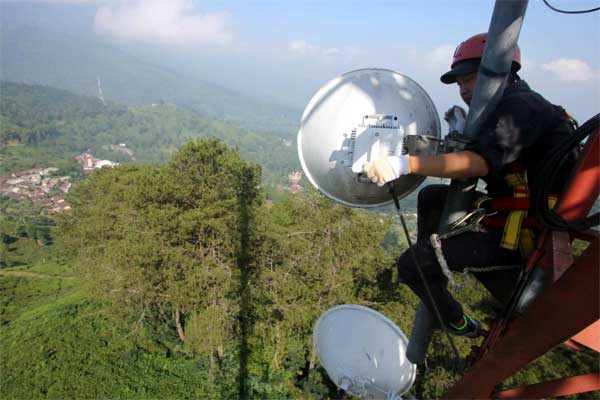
[[507, 155]]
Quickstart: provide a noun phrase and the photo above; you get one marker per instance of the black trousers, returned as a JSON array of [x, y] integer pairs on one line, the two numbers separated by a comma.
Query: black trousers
[[470, 249]]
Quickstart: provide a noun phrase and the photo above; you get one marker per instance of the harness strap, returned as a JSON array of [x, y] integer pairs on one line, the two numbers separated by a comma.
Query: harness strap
[[499, 222], [513, 236], [509, 203]]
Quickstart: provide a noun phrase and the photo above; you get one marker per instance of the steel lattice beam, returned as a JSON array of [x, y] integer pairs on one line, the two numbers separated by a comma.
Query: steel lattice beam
[[564, 310], [560, 387]]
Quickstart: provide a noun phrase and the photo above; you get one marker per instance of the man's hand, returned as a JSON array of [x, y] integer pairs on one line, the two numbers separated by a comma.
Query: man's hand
[[386, 169], [456, 118]]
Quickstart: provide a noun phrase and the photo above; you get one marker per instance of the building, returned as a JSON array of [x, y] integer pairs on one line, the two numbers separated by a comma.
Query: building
[[89, 163], [295, 177]]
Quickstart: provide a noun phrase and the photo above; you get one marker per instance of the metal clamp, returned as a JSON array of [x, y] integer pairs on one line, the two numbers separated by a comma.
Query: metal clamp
[[470, 222]]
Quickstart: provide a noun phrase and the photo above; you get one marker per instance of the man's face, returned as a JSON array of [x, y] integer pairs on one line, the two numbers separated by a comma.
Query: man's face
[[466, 84]]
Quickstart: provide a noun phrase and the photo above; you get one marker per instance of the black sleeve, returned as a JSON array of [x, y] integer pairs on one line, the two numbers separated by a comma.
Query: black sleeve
[[511, 129]]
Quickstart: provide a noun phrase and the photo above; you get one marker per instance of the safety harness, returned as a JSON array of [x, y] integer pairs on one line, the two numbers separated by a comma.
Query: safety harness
[[507, 213], [518, 232], [472, 222]]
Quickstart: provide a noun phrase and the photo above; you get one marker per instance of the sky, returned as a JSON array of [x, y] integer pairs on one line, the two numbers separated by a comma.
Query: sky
[[285, 50]]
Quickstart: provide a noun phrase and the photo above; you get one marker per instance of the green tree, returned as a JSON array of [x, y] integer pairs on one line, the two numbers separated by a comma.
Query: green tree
[[310, 255], [165, 243]]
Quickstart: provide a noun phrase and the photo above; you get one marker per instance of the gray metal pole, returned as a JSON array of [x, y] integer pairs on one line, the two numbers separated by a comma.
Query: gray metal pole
[[503, 33]]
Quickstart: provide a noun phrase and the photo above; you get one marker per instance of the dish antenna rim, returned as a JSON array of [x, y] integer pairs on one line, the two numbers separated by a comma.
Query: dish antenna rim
[[383, 198], [386, 324]]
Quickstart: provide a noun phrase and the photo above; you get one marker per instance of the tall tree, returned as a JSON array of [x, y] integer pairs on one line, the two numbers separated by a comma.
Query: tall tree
[[164, 243]]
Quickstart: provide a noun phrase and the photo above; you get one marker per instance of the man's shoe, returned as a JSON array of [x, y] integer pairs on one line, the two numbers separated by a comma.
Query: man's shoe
[[470, 327]]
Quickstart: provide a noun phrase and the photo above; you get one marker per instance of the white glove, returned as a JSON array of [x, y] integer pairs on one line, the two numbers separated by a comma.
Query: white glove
[[386, 169], [456, 118]]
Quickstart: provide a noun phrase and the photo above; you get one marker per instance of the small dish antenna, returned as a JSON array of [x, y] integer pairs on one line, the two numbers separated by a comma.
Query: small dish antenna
[[360, 116], [363, 352]]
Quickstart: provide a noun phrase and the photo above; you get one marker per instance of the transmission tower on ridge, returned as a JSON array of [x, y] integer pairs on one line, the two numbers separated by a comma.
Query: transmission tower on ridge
[[100, 95]]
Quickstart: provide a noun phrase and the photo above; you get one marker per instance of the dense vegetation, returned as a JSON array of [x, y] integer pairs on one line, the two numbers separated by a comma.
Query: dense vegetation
[[179, 280], [43, 126], [58, 342], [180, 274], [25, 232]]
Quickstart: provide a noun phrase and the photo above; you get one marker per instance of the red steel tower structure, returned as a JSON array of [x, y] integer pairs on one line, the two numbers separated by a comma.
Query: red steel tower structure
[[567, 311]]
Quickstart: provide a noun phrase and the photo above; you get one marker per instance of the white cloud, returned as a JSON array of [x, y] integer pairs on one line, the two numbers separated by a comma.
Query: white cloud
[[301, 47], [431, 60], [163, 22], [440, 56], [304, 49], [571, 70], [331, 51]]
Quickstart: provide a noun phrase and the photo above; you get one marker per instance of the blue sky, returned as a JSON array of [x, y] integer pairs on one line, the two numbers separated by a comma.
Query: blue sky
[[388, 23], [285, 50]]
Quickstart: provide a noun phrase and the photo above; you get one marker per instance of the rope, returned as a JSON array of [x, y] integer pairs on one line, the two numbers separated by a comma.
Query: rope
[[436, 243], [422, 276], [490, 269]]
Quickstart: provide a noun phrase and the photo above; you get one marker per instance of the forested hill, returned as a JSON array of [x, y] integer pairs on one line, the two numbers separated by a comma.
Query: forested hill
[[37, 56], [41, 125], [179, 281]]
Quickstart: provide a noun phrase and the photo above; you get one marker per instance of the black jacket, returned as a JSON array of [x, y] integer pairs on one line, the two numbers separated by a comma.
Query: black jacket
[[524, 128]]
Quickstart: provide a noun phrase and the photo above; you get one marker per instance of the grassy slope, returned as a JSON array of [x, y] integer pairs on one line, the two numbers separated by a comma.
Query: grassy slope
[[56, 343]]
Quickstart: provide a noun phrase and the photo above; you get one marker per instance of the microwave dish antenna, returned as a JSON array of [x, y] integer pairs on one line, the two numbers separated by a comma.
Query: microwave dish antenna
[[364, 115], [363, 352]]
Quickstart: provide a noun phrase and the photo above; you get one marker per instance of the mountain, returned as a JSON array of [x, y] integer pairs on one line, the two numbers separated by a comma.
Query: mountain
[[41, 125], [37, 56]]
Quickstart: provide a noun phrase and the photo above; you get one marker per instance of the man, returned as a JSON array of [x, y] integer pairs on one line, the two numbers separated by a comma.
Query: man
[[513, 141]]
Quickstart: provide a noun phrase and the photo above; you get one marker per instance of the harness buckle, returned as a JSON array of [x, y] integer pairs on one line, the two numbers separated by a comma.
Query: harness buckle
[[471, 218]]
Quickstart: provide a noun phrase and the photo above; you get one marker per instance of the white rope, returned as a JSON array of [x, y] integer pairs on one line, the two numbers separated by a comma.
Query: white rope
[[436, 243], [490, 269]]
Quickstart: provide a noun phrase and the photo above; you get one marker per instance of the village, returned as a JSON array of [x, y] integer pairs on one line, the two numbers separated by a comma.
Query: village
[[43, 187]]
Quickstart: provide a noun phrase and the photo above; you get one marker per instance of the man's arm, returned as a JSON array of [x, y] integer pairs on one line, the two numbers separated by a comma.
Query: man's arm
[[501, 145], [461, 164]]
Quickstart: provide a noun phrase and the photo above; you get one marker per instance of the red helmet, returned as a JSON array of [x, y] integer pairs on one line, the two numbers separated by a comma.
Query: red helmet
[[467, 57]]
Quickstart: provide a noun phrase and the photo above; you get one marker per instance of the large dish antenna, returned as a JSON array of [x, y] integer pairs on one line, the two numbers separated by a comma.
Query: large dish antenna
[[361, 116], [363, 352]]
